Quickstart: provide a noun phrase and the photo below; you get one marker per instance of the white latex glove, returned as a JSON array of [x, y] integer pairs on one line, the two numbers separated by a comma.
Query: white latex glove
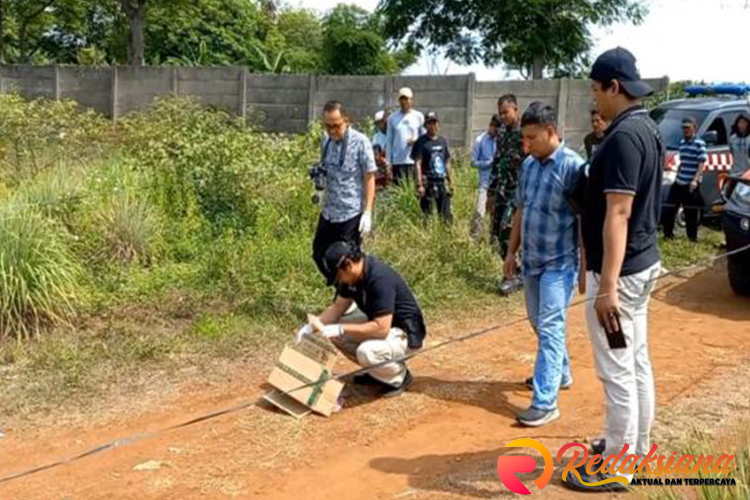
[[333, 331], [305, 330], [365, 223]]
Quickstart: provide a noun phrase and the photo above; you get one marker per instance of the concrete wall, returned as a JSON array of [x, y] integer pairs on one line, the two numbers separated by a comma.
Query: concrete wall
[[278, 103], [137, 87], [220, 88], [29, 81], [288, 103], [362, 95], [90, 87]]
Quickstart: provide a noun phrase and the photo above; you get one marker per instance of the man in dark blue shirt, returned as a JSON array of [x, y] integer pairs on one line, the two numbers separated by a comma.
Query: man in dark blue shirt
[[394, 324], [621, 206], [433, 170]]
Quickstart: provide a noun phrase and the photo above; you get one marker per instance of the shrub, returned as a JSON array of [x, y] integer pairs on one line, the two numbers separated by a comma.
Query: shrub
[[131, 229], [228, 208], [206, 162], [56, 193], [120, 224], [38, 275], [38, 134]]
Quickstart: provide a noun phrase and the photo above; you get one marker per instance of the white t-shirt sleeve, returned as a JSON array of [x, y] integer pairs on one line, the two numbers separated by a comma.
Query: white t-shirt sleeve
[[367, 157]]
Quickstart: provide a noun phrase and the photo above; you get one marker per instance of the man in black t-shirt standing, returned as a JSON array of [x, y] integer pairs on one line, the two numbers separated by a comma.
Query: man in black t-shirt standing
[[621, 205], [433, 173], [394, 323], [592, 140]]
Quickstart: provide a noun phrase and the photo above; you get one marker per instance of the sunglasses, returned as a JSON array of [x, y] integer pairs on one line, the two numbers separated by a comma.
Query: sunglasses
[[334, 126]]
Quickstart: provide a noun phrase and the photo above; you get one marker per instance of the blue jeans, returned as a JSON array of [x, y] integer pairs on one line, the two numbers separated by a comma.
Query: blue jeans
[[547, 299]]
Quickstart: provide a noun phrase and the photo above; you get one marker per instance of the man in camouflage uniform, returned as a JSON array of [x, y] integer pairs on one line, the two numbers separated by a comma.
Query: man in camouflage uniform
[[505, 168]]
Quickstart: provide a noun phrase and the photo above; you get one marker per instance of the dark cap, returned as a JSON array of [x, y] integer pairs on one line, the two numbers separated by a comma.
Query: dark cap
[[619, 64], [689, 121], [496, 121], [336, 255], [431, 117]]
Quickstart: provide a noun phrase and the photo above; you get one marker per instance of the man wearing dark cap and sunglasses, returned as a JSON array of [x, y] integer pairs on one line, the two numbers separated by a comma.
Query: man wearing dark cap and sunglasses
[[621, 202], [394, 324]]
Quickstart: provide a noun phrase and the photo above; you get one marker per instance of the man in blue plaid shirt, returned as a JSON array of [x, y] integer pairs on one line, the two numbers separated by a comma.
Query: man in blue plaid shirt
[[545, 226]]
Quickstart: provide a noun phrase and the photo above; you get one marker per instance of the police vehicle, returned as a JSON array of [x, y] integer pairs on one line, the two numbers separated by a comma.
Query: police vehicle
[[715, 114], [736, 222]]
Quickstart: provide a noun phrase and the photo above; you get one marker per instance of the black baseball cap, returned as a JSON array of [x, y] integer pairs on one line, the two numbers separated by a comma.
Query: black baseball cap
[[431, 117], [619, 64], [336, 255]]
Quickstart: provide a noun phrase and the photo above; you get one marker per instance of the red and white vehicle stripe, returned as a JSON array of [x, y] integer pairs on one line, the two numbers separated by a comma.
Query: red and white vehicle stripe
[[717, 162]]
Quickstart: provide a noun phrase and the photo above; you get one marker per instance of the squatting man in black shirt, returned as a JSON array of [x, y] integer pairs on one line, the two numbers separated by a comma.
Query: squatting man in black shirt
[[394, 324]]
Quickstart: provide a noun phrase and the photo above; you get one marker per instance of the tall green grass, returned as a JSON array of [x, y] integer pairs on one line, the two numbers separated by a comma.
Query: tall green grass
[[39, 276], [739, 445], [189, 200]]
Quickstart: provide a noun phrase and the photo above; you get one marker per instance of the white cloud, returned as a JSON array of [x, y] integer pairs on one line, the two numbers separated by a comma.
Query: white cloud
[[683, 39]]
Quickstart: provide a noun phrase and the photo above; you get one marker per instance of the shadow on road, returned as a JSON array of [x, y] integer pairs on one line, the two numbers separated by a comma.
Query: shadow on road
[[489, 395], [471, 474], [707, 292]]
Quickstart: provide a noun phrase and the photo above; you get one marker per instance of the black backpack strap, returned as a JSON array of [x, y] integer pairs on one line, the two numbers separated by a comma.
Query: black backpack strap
[[324, 149]]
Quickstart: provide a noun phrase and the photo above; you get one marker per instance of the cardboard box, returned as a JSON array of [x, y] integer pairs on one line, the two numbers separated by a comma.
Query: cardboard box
[[309, 363]]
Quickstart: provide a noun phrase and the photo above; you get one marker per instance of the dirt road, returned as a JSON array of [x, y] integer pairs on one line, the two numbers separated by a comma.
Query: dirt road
[[439, 441]]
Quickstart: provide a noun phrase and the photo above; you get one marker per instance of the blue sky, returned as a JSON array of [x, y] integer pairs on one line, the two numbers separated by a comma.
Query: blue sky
[[683, 39]]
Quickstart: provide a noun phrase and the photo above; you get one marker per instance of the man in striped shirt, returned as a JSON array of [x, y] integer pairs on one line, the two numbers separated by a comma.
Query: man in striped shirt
[[545, 226], [686, 190]]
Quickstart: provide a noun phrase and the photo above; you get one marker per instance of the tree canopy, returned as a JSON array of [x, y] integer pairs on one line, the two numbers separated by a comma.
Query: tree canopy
[[353, 44], [259, 34], [536, 37]]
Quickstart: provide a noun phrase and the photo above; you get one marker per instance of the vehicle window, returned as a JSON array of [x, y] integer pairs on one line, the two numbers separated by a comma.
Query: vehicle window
[[670, 123], [730, 118], [740, 200], [721, 130]]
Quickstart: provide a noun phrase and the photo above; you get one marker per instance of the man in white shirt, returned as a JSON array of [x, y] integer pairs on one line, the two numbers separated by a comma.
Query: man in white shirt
[[405, 126]]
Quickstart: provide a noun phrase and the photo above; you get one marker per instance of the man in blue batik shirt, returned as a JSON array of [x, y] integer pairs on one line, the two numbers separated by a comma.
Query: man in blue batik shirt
[[545, 227], [349, 196]]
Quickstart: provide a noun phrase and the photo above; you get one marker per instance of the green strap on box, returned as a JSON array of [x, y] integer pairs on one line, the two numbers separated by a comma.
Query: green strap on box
[[317, 388]]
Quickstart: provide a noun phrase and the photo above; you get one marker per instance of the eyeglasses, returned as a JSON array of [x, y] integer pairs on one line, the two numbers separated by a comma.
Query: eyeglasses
[[334, 126]]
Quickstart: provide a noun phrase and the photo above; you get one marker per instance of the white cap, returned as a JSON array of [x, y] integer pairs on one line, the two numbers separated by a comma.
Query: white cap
[[406, 92], [379, 115]]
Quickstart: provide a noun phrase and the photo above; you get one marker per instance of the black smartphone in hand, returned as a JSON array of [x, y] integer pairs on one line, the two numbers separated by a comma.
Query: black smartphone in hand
[[616, 339]]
